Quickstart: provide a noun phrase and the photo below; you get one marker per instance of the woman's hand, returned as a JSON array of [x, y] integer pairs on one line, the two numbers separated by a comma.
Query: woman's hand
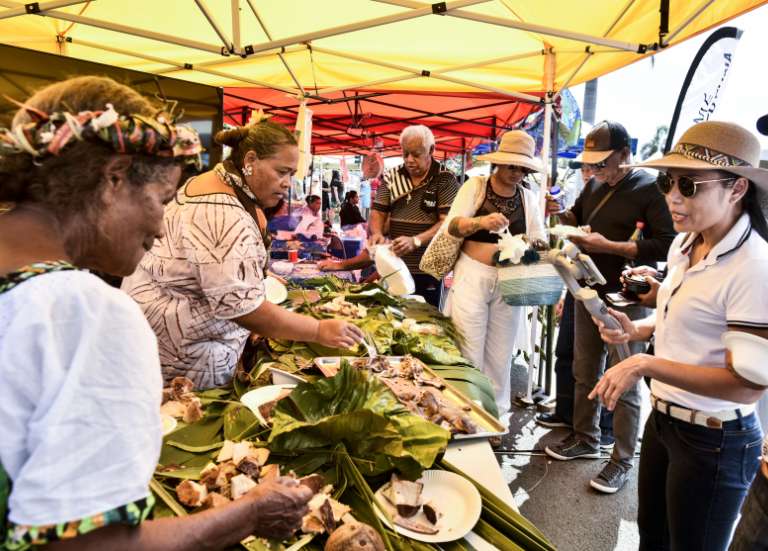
[[494, 221], [620, 378], [628, 331], [335, 333], [329, 265], [280, 506]]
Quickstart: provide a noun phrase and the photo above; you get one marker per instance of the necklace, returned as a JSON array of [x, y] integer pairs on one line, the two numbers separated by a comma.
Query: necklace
[[505, 205]]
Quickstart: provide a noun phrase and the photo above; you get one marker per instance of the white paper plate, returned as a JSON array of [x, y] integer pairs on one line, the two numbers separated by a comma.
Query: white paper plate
[[459, 502], [280, 377], [562, 230], [276, 291], [260, 396], [168, 423]]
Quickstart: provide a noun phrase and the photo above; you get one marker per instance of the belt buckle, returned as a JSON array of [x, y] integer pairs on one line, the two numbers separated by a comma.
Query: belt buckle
[[714, 423]]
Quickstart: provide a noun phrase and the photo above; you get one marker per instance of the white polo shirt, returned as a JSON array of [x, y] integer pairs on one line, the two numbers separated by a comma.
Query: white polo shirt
[[695, 305]]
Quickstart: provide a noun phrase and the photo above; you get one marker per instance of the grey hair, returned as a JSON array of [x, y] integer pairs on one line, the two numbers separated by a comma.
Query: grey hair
[[419, 131]]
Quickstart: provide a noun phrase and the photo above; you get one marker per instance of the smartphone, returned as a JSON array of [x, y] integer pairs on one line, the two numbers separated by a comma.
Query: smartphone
[[619, 300]]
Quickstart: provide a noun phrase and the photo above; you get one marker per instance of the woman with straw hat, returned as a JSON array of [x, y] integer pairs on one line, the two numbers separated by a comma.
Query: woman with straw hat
[[485, 205], [701, 443]]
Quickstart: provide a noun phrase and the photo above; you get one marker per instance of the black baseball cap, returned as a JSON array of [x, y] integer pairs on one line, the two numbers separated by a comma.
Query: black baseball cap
[[604, 138], [762, 125]]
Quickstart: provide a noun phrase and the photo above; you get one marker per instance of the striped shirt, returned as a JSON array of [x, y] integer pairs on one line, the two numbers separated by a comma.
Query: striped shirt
[[414, 210]]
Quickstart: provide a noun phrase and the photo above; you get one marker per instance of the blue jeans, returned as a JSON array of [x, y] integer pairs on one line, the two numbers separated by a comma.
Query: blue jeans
[[693, 480], [752, 531]]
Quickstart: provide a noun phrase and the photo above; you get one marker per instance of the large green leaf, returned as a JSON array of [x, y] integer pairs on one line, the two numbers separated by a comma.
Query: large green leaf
[[356, 410]]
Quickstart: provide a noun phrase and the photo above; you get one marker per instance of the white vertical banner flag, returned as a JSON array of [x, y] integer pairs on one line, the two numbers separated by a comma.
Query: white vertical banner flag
[[304, 137], [704, 84]]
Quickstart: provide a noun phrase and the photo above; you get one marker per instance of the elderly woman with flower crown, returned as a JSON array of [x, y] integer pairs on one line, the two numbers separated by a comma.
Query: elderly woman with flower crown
[[483, 206], [701, 444], [201, 285], [80, 384]]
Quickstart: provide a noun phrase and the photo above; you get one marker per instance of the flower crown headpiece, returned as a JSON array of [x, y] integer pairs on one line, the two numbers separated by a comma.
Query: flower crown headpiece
[[48, 134]]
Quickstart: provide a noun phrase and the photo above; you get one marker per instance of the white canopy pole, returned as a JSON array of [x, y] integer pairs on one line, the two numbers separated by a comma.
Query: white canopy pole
[[531, 27], [216, 27], [178, 41], [280, 55], [179, 66], [360, 25], [15, 11], [589, 54], [224, 61], [235, 8]]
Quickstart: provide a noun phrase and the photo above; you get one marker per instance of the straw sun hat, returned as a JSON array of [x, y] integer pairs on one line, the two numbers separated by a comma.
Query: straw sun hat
[[715, 145], [516, 148]]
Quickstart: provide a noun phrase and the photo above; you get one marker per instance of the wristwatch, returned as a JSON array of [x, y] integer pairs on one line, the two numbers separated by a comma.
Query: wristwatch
[[416, 241]]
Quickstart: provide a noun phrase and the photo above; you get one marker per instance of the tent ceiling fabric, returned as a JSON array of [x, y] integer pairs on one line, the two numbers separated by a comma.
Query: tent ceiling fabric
[[404, 34], [459, 121]]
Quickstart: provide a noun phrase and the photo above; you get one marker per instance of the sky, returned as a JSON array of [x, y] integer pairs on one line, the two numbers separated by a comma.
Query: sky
[[642, 96]]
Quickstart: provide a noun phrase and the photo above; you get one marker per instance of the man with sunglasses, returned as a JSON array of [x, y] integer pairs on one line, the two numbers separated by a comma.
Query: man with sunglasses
[[611, 204]]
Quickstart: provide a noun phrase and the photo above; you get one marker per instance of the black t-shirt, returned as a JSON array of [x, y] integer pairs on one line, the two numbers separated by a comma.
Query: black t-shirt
[[636, 199], [350, 214]]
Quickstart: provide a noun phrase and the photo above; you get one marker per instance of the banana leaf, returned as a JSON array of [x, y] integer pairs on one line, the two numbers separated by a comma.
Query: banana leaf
[[357, 410]]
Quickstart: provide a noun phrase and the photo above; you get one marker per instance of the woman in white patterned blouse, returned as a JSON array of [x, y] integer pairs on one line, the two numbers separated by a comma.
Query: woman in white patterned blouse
[[202, 285]]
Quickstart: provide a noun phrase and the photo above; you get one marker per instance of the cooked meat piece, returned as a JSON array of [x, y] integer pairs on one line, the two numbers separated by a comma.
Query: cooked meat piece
[[431, 512], [167, 395], [270, 472], [266, 409], [194, 410], [214, 500], [225, 453], [430, 404], [326, 515], [174, 409], [314, 481], [417, 523], [180, 386], [241, 450], [226, 471], [404, 495], [354, 536], [241, 485], [404, 390], [209, 475], [191, 493], [249, 467]]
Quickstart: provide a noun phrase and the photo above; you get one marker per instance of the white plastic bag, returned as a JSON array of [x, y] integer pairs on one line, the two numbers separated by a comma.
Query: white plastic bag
[[396, 277]]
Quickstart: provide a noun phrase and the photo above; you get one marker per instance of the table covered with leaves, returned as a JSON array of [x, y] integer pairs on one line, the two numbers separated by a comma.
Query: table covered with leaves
[[350, 428]]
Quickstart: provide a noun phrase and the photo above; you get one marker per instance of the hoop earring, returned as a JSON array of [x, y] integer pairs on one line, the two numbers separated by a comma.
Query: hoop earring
[[248, 170]]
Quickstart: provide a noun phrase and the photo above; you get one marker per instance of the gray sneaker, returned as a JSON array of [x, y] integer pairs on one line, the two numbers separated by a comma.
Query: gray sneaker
[[572, 448], [611, 479]]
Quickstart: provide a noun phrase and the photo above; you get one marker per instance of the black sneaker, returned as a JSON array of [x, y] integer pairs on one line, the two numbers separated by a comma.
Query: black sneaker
[[606, 442], [572, 448], [551, 420], [611, 479]]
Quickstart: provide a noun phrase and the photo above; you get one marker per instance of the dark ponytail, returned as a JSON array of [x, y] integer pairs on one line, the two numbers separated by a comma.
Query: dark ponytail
[[753, 208]]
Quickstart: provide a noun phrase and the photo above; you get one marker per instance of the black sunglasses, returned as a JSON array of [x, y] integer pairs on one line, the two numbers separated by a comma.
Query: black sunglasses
[[597, 166], [685, 184]]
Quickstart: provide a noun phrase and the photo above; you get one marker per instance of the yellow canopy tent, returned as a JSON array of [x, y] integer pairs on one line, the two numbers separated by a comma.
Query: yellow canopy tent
[[509, 48], [499, 46]]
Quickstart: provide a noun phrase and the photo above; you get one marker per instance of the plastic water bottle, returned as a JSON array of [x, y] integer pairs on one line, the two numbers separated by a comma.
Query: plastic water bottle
[[558, 195]]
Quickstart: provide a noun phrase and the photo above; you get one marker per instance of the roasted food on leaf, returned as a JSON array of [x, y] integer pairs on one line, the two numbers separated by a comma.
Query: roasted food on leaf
[[241, 485], [267, 408], [191, 493], [405, 505], [180, 402], [174, 409], [340, 307], [214, 500], [407, 380], [354, 536]]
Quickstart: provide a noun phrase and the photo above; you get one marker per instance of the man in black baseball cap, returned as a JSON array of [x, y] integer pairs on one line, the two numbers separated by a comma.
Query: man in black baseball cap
[[611, 204]]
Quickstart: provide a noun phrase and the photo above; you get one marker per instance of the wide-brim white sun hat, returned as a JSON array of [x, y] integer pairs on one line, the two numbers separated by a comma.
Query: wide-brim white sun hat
[[516, 148]]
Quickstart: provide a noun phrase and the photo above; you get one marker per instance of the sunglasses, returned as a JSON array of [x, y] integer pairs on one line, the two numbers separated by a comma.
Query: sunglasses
[[685, 184], [596, 166]]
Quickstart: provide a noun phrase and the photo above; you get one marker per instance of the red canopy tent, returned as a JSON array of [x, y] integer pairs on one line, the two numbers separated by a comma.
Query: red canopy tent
[[355, 121]]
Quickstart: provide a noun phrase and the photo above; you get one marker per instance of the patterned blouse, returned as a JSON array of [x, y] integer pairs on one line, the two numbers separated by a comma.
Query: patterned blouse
[[205, 271]]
